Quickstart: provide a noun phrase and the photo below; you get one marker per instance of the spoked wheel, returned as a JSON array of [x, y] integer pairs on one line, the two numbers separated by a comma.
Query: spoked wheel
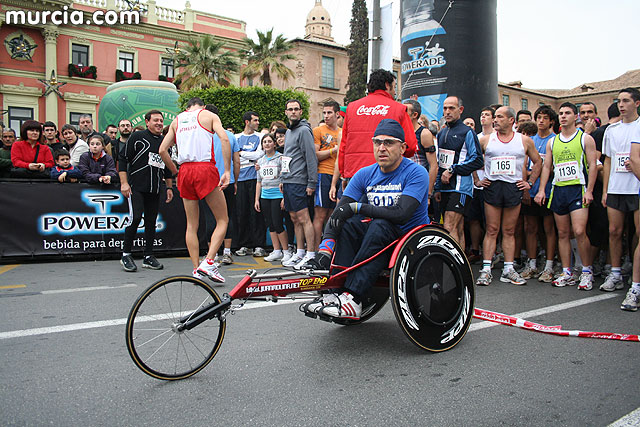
[[155, 340], [370, 306], [432, 290]]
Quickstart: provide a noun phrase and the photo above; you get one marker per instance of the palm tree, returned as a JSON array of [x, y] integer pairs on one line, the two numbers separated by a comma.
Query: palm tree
[[204, 64], [266, 56]]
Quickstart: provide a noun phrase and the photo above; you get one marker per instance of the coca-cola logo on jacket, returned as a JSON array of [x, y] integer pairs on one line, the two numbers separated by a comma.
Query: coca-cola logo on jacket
[[378, 110]]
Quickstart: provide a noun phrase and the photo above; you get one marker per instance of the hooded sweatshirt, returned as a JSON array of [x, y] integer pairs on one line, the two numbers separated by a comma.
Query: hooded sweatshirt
[[299, 161]]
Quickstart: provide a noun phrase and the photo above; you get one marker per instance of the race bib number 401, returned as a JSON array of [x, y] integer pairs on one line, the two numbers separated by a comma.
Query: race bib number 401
[[156, 161], [445, 158], [504, 165], [567, 171]]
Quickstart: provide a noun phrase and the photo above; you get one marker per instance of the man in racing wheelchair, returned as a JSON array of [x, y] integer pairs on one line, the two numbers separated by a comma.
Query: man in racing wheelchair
[[393, 193]]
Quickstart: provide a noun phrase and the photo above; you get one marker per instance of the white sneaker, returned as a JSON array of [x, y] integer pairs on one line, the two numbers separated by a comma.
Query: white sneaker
[[320, 302], [303, 262], [208, 268], [612, 284], [274, 256], [631, 301], [344, 308], [564, 280], [586, 281], [291, 262], [286, 256]]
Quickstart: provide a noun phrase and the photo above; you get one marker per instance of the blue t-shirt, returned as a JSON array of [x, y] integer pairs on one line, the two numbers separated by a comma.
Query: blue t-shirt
[[541, 146], [248, 143], [217, 151], [384, 189]]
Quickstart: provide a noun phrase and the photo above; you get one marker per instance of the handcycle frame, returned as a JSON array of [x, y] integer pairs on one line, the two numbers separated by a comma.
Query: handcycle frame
[[428, 278]]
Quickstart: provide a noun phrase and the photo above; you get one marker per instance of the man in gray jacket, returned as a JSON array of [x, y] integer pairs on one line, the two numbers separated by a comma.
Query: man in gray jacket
[[299, 178]]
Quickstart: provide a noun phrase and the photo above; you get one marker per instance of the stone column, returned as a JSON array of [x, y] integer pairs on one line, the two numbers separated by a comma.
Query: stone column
[[152, 17], [50, 34], [189, 16]]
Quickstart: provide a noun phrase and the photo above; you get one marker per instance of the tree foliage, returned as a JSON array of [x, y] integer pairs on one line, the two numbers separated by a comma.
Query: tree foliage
[[233, 102], [358, 52], [204, 64], [267, 55]]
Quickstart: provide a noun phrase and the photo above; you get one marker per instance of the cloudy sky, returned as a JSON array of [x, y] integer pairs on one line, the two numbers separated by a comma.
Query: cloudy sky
[[553, 44]]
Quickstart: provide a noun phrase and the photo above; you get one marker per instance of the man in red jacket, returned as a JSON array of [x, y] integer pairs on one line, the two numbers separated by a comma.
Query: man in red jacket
[[363, 115]]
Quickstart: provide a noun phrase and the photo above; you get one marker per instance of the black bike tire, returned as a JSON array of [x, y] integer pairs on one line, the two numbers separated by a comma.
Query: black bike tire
[[129, 332], [418, 337]]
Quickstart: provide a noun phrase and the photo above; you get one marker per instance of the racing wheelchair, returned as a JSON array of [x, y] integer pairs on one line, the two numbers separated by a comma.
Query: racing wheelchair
[[176, 326]]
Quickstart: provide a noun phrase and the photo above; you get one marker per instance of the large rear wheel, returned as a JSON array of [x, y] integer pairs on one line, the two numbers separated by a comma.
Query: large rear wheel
[[157, 343], [432, 290]]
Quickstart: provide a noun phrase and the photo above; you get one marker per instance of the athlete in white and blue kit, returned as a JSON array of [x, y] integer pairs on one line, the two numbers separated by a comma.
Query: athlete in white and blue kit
[[393, 192]]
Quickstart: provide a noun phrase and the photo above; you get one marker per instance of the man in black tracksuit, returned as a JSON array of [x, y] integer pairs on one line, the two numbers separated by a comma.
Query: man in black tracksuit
[[141, 172]]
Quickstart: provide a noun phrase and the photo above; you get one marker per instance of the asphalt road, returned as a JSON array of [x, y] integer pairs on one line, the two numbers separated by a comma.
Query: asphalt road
[[65, 361]]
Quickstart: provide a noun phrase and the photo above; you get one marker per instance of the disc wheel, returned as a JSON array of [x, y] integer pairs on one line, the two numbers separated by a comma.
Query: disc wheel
[[432, 290], [156, 342]]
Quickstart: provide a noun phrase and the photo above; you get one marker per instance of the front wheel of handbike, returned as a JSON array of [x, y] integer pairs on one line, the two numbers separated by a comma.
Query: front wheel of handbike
[[432, 290], [156, 342]]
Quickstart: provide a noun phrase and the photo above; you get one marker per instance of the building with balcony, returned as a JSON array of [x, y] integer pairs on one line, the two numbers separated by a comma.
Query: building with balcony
[[321, 66], [88, 58], [602, 94]]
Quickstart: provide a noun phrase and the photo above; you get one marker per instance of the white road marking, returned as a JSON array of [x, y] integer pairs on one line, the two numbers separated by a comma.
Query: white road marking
[[546, 310], [632, 419], [251, 305], [115, 322], [90, 288]]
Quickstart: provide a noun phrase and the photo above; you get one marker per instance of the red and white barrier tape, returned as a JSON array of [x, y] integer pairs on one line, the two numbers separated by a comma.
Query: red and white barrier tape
[[505, 319]]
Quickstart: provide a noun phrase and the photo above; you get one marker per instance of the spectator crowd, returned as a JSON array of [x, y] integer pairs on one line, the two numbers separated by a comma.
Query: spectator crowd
[[552, 195]]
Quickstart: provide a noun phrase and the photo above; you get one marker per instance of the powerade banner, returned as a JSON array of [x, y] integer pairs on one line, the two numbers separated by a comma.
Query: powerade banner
[[424, 56], [449, 48], [51, 219]]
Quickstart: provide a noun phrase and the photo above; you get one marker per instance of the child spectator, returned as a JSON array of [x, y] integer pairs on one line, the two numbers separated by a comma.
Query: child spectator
[[30, 158], [269, 197], [97, 166], [64, 171]]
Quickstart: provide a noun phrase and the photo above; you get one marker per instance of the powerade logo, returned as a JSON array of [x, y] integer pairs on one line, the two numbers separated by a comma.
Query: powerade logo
[[103, 221], [424, 58]]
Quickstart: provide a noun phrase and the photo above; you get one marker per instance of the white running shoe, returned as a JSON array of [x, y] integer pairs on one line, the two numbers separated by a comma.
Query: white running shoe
[[564, 280], [586, 281], [320, 302], [208, 268], [303, 262], [612, 284], [274, 256], [344, 308], [286, 256], [631, 301], [292, 261]]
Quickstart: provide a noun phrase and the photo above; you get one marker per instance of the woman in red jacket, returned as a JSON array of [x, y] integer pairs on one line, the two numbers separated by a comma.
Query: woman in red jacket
[[30, 158]]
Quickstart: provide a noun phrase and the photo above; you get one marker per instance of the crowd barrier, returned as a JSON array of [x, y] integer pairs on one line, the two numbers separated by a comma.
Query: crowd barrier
[[50, 219]]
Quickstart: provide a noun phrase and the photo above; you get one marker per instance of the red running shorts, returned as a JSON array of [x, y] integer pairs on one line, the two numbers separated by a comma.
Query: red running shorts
[[197, 179]]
